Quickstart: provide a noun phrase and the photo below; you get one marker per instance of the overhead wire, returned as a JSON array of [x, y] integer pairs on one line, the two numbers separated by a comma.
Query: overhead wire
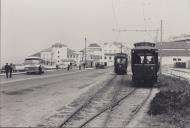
[[145, 19], [116, 20]]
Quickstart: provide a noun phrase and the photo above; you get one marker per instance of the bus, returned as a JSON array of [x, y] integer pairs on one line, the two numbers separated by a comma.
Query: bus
[[33, 65]]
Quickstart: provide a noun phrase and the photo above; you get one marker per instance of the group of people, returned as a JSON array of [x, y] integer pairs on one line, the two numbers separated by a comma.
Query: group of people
[[8, 70]]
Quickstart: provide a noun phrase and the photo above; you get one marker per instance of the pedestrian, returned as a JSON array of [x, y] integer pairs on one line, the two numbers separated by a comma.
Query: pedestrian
[[10, 70], [68, 67], [79, 67], [84, 65], [7, 70], [40, 69]]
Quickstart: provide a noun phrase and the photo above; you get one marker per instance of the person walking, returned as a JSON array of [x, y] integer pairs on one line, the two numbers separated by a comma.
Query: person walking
[[40, 69], [7, 70], [10, 70], [68, 67], [79, 67]]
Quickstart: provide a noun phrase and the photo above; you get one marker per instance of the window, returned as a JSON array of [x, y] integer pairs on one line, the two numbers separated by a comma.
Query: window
[[58, 56], [58, 52], [179, 59], [174, 59], [121, 60], [58, 61], [105, 57], [110, 57]]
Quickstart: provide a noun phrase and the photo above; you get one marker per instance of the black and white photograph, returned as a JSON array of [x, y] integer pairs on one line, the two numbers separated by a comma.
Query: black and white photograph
[[95, 63]]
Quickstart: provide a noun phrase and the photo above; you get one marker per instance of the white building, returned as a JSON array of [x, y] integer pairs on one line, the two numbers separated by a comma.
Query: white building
[[175, 51], [93, 54], [58, 54], [110, 49]]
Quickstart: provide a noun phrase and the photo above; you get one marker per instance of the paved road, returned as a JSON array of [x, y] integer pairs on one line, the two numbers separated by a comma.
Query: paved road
[[29, 100]]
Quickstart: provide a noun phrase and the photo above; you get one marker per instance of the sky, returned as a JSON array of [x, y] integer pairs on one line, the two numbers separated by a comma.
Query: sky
[[28, 26]]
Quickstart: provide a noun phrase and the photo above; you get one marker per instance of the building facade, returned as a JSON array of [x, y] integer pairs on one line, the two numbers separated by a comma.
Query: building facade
[[58, 54], [176, 50], [110, 49]]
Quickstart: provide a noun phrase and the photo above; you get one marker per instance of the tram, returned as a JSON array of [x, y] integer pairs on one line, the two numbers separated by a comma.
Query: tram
[[144, 62], [120, 63]]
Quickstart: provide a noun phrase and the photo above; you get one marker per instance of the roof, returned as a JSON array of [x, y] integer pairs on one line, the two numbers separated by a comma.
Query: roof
[[94, 45], [47, 50], [59, 45], [33, 57], [71, 52], [114, 43], [182, 37], [36, 54], [173, 45], [82, 50], [176, 53]]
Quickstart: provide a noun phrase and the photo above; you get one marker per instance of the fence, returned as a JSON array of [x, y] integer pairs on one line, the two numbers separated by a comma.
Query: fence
[[180, 74]]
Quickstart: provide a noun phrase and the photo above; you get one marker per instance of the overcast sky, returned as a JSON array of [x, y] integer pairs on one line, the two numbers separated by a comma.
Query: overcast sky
[[28, 26]]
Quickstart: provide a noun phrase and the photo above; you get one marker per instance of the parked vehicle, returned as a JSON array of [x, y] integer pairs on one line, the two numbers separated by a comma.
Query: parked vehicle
[[144, 62], [34, 64], [100, 66], [120, 63]]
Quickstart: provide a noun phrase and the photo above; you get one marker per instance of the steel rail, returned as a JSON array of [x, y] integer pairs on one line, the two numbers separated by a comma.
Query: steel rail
[[137, 109], [107, 108], [83, 105]]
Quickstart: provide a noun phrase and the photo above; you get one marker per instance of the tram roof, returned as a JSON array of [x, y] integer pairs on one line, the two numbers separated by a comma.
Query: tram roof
[[144, 48], [141, 44]]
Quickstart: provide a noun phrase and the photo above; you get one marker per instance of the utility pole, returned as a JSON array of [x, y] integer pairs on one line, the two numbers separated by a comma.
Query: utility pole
[[161, 25], [85, 53]]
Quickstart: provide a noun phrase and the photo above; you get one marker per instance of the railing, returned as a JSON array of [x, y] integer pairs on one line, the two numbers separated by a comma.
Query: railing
[[181, 75]]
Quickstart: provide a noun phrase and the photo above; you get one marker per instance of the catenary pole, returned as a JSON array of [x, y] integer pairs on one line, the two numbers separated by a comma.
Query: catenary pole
[[85, 53]]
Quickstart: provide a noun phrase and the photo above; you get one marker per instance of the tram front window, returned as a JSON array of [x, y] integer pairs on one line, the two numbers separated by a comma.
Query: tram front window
[[144, 59], [147, 59], [121, 60]]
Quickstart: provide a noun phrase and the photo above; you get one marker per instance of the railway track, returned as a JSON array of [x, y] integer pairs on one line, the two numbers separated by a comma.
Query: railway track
[[107, 111], [86, 104]]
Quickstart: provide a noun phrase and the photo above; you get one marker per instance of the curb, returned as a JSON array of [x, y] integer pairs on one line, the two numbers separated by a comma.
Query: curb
[[13, 73]]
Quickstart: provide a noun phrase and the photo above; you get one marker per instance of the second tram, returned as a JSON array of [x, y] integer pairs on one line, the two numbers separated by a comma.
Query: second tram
[[144, 62], [120, 63]]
